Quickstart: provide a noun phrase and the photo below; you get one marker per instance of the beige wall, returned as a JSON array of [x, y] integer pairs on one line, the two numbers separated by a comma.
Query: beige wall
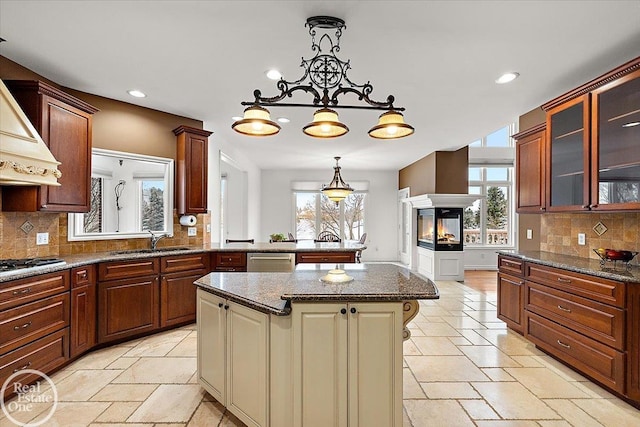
[[117, 126], [441, 172]]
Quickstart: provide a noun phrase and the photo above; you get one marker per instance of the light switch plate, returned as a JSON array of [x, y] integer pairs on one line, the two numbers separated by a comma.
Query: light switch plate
[[42, 239], [192, 231], [529, 233], [581, 239]]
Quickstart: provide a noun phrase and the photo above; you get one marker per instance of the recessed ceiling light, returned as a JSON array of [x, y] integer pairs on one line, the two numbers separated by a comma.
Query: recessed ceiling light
[[507, 77], [273, 74], [631, 124], [236, 118], [136, 93], [283, 120]]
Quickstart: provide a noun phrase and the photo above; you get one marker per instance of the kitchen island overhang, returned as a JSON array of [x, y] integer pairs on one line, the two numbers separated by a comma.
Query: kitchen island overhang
[[287, 349]]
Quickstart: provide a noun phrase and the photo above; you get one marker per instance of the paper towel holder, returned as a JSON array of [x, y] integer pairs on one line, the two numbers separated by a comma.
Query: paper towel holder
[[188, 220]]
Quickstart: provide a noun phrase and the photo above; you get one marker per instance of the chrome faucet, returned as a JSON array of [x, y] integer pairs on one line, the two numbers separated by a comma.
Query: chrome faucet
[[155, 238]]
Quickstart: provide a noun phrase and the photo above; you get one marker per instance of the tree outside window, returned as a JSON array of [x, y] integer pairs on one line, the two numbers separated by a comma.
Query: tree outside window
[[152, 205], [315, 213]]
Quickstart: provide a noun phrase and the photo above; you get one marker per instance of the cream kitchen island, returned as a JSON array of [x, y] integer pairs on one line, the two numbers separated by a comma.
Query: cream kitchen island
[[287, 349]]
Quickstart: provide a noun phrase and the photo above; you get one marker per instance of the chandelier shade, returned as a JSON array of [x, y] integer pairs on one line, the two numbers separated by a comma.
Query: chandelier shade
[[325, 124], [337, 189], [325, 78], [391, 125], [256, 122]]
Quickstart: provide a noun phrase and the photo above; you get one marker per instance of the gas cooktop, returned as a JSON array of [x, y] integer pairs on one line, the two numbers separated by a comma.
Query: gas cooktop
[[12, 265]]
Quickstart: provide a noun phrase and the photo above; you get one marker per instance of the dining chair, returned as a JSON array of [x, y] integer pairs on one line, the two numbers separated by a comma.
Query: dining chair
[[363, 239], [327, 236]]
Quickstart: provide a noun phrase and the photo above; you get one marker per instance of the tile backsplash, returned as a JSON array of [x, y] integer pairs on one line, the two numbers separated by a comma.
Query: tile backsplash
[[18, 244], [559, 233]]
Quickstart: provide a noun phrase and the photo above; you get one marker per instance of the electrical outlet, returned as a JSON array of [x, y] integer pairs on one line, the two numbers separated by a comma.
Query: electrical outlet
[[581, 239], [529, 233], [42, 239], [192, 231], [208, 228]]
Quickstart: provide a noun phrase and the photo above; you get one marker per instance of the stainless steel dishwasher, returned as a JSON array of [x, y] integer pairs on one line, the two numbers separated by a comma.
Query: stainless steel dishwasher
[[266, 262]]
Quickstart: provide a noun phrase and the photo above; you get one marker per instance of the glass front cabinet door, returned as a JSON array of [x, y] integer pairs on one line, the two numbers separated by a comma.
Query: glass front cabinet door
[[615, 145], [568, 156]]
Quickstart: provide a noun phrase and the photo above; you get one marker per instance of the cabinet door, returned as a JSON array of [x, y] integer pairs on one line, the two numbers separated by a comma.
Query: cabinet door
[[375, 364], [191, 170], [211, 344], [247, 364], [615, 151], [530, 171], [128, 307], [511, 301], [319, 364], [567, 156], [178, 299], [83, 319]]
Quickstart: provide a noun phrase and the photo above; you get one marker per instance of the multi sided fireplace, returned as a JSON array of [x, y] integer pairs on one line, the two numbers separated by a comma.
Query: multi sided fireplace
[[440, 229]]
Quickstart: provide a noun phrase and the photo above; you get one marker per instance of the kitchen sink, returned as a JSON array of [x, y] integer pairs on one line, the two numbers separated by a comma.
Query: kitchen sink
[[148, 251]]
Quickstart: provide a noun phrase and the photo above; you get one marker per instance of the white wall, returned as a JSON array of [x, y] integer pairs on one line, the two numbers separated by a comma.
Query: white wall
[[253, 186], [381, 222]]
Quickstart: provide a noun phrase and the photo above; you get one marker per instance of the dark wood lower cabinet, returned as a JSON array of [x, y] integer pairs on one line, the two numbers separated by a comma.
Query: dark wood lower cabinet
[[128, 307], [83, 319], [325, 257], [511, 301], [44, 355], [178, 299]]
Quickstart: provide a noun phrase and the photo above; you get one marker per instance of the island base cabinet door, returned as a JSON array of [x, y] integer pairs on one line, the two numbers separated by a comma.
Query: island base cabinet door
[[375, 364], [319, 365], [211, 321], [247, 364], [347, 364]]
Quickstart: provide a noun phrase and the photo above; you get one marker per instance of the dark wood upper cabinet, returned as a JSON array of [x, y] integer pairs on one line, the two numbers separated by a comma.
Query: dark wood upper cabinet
[[530, 170], [592, 154], [65, 124], [191, 170]]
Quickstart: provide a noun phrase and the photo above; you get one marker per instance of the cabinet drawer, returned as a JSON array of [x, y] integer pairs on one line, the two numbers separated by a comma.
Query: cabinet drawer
[[191, 262], [511, 265], [595, 288], [124, 269], [229, 259], [325, 257], [21, 291], [20, 325], [598, 321], [83, 276], [596, 360], [43, 355]]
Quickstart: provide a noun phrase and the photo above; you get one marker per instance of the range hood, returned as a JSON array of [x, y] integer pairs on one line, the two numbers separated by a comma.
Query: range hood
[[25, 159]]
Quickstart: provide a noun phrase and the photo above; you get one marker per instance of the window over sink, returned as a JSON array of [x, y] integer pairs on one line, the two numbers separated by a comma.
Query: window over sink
[[131, 194]]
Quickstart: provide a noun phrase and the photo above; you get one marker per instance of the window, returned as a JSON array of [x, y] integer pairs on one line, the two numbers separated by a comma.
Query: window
[[499, 138], [316, 213], [489, 220], [92, 220], [151, 204]]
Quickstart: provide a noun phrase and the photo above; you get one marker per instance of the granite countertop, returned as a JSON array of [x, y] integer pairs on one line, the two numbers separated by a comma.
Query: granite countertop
[[79, 260], [578, 264], [273, 292]]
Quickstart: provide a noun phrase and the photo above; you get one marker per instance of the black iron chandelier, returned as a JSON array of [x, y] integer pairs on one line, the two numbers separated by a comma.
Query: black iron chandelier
[[323, 73], [337, 189]]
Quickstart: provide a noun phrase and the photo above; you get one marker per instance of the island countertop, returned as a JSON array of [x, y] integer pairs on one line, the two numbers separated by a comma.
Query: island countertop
[[273, 292]]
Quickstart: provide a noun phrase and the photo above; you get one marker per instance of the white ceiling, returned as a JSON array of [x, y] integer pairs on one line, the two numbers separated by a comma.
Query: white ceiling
[[200, 59]]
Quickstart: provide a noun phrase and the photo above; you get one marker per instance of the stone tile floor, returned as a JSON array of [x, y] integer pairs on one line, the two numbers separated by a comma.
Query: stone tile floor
[[462, 367]]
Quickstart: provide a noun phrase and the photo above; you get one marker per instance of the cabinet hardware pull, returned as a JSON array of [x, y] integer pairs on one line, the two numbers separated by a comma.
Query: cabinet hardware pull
[[564, 309], [543, 209], [585, 206], [353, 310], [22, 291], [23, 368], [560, 279], [83, 275], [226, 307], [563, 344], [343, 311], [220, 304], [522, 282], [26, 325], [593, 206]]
